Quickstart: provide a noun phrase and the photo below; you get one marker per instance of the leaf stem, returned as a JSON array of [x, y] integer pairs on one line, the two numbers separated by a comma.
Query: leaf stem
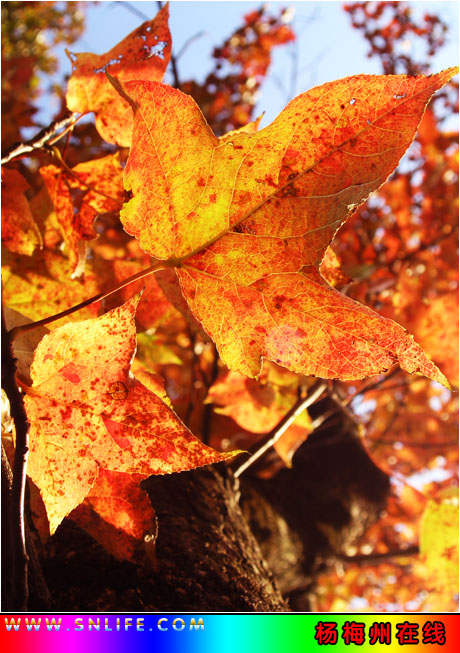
[[301, 404], [23, 328]]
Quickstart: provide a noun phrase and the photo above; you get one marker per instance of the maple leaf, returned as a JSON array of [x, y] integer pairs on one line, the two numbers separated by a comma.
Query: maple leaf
[[25, 344], [19, 229], [143, 54], [439, 545], [80, 194], [436, 328], [39, 284], [246, 221], [87, 413], [331, 270], [259, 406], [118, 514]]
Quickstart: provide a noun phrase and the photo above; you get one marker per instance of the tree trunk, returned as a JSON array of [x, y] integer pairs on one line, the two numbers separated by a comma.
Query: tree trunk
[[207, 559], [253, 547]]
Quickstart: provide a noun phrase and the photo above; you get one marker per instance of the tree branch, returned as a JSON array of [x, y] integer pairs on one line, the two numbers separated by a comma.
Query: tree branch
[[42, 139], [370, 386], [301, 404], [188, 43], [133, 10], [208, 409], [418, 445], [380, 557]]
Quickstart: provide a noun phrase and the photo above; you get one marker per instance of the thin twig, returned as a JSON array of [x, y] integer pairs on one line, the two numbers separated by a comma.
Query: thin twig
[[380, 557], [133, 10], [188, 43], [68, 130], [175, 72], [42, 139], [423, 247], [300, 405], [316, 423], [418, 445], [294, 69], [376, 443], [370, 386], [208, 410], [23, 328], [17, 538], [192, 394]]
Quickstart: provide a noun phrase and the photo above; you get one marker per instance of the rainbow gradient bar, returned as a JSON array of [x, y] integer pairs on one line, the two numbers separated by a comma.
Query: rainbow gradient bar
[[228, 633]]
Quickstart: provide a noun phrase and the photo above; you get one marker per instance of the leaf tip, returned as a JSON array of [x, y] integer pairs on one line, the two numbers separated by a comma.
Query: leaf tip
[[454, 70]]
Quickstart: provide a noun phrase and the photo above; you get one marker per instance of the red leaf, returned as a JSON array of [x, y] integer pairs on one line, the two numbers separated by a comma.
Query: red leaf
[[143, 54], [19, 230], [246, 221], [87, 413], [98, 186], [118, 514]]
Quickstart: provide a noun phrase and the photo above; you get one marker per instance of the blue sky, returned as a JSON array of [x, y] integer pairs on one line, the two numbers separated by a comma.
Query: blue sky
[[327, 47]]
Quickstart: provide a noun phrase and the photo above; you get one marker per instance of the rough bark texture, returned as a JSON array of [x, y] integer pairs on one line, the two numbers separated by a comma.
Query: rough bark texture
[[222, 547], [307, 516], [207, 556]]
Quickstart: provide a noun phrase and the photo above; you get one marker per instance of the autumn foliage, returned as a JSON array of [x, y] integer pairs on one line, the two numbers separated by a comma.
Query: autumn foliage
[[258, 266]]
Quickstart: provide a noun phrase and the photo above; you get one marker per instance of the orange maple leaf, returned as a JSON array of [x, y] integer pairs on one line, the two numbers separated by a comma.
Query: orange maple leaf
[[259, 406], [42, 283], [246, 220], [20, 232], [88, 413], [99, 187], [118, 514], [143, 54]]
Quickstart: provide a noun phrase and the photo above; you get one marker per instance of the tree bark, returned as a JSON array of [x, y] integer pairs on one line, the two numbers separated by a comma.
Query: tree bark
[[208, 559], [307, 517], [219, 551]]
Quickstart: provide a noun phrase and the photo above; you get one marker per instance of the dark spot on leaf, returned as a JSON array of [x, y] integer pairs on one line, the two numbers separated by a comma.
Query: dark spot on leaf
[[270, 181], [118, 391]]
